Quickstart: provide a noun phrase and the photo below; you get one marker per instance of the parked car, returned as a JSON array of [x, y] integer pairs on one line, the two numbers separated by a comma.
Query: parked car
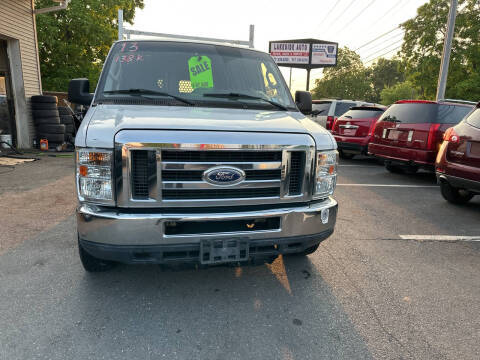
[[409, 133], [184, 164], [354, 129], [326, 111], [458, 161]]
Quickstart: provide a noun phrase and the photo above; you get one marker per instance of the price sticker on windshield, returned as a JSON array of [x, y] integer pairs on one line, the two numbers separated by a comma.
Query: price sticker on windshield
[[200, 69]]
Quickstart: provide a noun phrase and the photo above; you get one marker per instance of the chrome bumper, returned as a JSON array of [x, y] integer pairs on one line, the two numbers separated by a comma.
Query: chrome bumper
[[126, 227]]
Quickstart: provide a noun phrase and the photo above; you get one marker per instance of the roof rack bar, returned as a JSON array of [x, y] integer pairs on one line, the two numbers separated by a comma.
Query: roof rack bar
[[122, 31], [459, 101]]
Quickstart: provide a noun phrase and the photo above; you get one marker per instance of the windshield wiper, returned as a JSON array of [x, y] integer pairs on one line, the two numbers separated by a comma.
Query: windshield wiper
[[141, 92], [246, 96]]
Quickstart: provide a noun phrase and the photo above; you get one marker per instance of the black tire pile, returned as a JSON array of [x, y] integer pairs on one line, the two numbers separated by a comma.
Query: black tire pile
[[52, 123]]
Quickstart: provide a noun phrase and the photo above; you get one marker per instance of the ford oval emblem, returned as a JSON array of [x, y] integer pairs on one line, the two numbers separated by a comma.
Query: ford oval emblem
[[224, 176]]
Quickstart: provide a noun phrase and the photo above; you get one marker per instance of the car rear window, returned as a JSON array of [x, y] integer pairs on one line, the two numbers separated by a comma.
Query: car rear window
[[474, 118], [322, 107], [421, 113], [363, 113], [342, 107]]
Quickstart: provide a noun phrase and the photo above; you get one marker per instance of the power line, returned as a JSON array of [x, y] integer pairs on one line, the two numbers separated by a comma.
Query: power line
[[328, 13], [392, 39], [378, 57], [357, 15], [379, 37], [341, 13], [386, 47]]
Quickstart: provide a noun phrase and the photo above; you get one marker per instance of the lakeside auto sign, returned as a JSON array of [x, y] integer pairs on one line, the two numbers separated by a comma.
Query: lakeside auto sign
[[304, 53]]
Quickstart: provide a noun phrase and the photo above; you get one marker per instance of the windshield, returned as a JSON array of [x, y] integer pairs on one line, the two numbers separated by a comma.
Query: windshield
[[193, 74]]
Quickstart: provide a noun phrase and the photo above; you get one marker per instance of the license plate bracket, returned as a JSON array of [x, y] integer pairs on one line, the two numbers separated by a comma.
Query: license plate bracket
[[217, 251]]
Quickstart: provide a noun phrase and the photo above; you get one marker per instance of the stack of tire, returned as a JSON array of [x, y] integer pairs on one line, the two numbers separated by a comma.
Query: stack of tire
[[47, 120], [66, 118]]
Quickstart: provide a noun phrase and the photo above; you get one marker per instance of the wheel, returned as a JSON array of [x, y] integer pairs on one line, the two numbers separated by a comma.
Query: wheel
[[44, 113], [44, 106], [49, 120], [57, 138], [93, 264], [345, 156], [310, 250], [44, 99], [63, 110], [455, 195], [52, 129], [394, 169]]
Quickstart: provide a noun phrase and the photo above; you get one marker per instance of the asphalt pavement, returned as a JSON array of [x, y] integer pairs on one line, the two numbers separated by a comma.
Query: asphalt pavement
[[366, 293]]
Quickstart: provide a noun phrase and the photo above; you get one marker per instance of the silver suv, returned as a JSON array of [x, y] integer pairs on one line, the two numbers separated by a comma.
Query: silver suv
[[196, 152], [326, 111]]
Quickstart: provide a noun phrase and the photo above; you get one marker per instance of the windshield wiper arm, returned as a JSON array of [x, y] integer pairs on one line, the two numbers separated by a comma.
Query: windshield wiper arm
[[141, 92], [246, 96]]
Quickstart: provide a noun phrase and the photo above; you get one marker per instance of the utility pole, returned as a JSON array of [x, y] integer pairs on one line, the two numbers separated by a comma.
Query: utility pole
[[447, 49], [290, 80], [120, 24]]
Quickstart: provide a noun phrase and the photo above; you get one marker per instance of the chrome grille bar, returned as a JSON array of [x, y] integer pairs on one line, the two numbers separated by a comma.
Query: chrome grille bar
[[267, 179]]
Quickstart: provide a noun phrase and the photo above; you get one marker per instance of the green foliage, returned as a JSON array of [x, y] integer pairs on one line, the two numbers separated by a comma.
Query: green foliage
[[384, 73], [347, 80], [399, 91], [423, 44], [74, 42]]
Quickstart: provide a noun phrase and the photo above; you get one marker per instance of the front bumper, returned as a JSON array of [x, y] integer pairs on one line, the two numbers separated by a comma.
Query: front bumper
[[116, 234]]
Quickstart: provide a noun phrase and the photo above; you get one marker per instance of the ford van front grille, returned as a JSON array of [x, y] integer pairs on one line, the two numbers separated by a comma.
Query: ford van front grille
[[162, 174]]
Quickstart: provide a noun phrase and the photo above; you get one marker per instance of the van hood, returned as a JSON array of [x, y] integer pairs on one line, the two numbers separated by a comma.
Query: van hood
[[102, 122]]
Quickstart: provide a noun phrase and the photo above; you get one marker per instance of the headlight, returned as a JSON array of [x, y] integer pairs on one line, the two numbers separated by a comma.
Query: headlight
[[94, 174], [326, 173]]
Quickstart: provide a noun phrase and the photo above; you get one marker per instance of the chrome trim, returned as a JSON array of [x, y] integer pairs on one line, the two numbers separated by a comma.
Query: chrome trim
[[109, 226], [348, 126], [158, 140], [177, 165], [256, 184]]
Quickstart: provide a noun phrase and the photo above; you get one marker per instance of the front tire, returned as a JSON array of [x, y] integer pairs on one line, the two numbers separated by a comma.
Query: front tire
[[455, 195], [345, 156], [93, 264]]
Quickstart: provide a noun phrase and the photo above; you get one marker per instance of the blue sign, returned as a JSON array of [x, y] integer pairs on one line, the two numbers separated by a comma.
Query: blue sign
[[224, 176]]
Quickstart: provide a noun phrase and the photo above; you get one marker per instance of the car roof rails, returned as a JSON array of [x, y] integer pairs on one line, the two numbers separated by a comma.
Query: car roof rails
[[466, 102]]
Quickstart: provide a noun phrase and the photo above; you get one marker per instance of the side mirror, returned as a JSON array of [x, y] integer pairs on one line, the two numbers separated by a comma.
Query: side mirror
[[78, 92], [303, 99]]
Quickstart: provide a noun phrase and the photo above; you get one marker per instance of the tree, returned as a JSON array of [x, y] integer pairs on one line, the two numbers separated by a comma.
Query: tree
[[75, 42], [400, 91], [384, 73], [423, 44], [348, 80]]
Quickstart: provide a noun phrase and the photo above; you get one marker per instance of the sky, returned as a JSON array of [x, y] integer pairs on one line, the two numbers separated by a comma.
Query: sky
[[351, 23]]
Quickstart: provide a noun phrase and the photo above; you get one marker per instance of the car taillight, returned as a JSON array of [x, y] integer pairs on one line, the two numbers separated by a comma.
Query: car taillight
[[371, 131], [330, 120], [433, 138], [451, 136]]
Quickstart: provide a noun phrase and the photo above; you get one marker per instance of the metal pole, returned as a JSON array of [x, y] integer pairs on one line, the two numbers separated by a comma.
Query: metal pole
[[120, 24], [290, 80], [251, 37], [308, 79], [447, 49]]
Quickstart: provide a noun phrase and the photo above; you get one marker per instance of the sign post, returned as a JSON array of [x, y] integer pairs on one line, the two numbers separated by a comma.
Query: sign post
[[305, 54]]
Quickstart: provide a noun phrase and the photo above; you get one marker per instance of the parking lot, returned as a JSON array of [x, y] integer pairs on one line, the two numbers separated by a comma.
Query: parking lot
[[375, 289]]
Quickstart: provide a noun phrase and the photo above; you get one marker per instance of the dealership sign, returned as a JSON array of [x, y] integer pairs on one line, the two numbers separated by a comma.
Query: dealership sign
[[304, 53]]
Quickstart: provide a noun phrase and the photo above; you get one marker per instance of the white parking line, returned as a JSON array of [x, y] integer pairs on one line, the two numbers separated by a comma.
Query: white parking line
[[440, 238], [390, 185]]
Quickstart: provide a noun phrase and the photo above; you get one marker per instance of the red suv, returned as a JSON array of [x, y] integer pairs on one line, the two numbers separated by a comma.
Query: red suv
[[408, 135], [458, 160], [354, 129]]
